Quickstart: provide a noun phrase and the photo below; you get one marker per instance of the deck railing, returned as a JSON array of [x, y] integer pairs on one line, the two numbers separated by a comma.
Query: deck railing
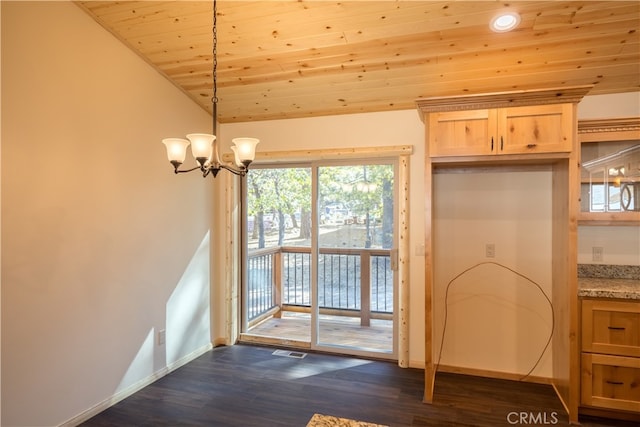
[[351, 282]]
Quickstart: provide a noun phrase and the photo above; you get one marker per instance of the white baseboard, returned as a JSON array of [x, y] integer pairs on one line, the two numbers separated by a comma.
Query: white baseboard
[[484, 373], [495, 374], [133, 388], [418, 364]]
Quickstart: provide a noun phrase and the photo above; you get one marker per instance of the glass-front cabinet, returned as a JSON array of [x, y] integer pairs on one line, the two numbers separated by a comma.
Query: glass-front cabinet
[[610, 173]]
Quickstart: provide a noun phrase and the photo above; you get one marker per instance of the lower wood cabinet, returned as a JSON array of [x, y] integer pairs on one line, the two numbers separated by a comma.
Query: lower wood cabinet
[[611, 354], [611, 382]]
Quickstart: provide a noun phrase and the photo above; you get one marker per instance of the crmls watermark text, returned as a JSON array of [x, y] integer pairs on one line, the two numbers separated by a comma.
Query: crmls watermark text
[[532, 418]]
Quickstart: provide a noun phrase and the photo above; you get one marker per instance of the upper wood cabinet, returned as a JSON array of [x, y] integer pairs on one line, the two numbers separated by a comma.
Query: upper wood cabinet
[[502, 124], [461, 133], [536, 129], [511, 130]]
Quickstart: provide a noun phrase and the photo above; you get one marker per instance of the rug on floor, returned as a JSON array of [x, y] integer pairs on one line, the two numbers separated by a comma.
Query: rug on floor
[[319, 420]]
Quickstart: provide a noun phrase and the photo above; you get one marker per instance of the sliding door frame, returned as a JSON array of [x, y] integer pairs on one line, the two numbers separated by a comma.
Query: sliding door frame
[[235, 217]]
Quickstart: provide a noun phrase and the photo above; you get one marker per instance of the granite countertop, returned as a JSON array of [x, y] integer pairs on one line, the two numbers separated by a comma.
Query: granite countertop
[[609, 281], [609, 288]]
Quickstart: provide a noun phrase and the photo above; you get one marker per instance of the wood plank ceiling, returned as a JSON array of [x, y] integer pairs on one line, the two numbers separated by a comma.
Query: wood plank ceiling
[[284, 59]]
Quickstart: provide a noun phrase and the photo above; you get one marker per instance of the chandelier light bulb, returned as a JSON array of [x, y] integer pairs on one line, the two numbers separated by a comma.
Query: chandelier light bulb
[[236, 159], [201, 144], [245, 149], [176, 149]]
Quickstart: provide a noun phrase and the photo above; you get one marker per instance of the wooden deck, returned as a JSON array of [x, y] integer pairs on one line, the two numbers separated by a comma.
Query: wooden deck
[[334, 330]]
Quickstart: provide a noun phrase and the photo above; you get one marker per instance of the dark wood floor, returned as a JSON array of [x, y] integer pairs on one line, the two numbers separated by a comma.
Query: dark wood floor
[[248, 386]]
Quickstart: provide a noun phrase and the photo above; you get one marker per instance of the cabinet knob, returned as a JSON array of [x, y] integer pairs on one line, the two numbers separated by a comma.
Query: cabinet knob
[[532, 145]]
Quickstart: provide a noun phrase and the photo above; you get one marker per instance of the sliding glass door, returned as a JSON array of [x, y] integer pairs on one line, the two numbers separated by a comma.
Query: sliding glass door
[[276, 295], [355, 283], [319, 246]]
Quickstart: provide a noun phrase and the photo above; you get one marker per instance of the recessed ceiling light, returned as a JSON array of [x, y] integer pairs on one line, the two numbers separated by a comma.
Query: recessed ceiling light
[[505, 22]]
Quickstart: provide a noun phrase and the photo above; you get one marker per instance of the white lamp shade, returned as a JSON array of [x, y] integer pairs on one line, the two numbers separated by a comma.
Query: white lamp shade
[[245, 148], [201, 144], [236, 159], [176, 149]]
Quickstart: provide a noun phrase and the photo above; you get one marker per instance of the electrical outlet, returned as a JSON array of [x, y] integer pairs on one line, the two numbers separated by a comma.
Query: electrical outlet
[[162, 337], [597, 253], [490, 250]]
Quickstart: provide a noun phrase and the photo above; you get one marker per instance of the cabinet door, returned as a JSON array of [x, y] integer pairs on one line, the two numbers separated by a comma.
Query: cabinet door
[[462, 133], [611, 327], [611, 381], [535, 129]]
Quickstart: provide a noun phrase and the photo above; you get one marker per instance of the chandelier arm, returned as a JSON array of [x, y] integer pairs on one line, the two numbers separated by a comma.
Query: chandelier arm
[[211, 168], [235, 171], [186, 170]]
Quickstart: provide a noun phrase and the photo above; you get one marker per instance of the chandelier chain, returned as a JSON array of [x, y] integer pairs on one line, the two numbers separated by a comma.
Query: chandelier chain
[[214, 62]]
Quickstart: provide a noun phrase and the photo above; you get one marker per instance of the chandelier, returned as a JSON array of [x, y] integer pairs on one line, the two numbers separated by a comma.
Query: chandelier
[[204, 146]]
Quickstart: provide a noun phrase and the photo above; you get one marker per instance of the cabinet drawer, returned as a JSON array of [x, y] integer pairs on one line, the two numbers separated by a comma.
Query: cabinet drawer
[[611, 382], [611, 327]]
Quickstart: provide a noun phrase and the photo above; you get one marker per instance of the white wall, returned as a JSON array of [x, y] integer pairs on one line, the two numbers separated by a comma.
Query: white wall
[[609, 106], [102, 245], [620, 244], [497, 320]]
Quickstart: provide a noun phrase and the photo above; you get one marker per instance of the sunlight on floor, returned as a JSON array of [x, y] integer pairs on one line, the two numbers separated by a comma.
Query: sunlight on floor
[[305, 370]]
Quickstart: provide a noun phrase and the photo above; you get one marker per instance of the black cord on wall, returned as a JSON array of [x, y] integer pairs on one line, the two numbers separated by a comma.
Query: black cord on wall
[[446, 306]]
